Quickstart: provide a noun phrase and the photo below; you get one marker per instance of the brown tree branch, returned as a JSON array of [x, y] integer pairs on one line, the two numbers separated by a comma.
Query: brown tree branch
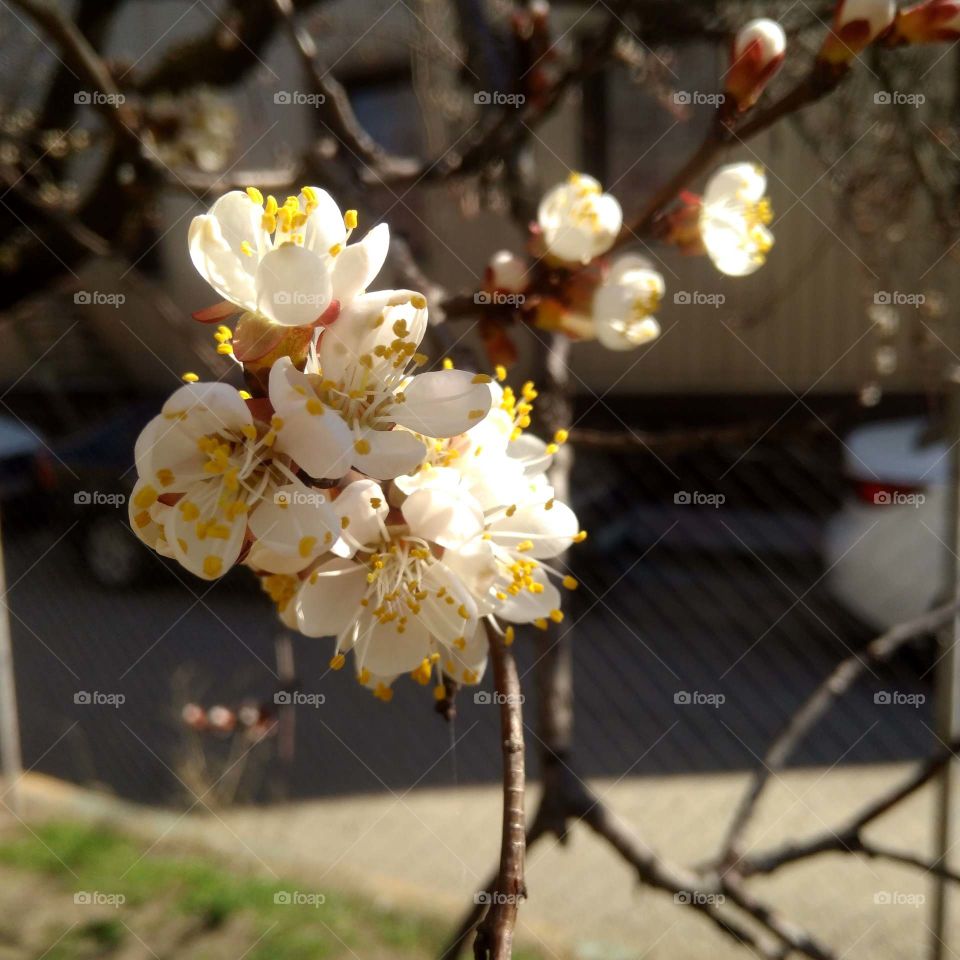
[[494, 940], [816, 705]]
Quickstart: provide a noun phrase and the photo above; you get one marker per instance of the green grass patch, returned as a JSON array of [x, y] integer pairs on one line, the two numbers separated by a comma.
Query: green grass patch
[[200, 897]]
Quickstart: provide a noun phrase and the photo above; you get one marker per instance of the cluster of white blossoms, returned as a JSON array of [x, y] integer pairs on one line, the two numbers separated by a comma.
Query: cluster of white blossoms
[[404, 513]]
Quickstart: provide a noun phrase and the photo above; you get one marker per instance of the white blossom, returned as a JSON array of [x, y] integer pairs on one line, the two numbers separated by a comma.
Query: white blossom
[[578, 220], [625, 303], [734, 219], [285, 263]]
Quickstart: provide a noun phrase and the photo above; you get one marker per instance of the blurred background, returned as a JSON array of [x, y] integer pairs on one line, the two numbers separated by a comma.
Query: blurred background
[[767, 486]]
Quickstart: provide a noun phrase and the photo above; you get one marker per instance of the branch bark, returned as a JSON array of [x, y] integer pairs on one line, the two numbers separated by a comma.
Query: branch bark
[[494, 940]]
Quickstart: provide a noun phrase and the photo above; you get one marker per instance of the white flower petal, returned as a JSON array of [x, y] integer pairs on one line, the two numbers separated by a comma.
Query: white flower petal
[[356, 266], [293, 285], [384, 650], [526, 607], [297, 524], [550, 530], [329, 600], [324, 227], [443, 403], [385, 454], [444, 517], [209, 546], [364, 507]]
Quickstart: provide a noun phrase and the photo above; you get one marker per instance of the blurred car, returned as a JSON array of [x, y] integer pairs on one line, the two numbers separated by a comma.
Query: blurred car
[[22, 461], [94, 477], [886, 549]]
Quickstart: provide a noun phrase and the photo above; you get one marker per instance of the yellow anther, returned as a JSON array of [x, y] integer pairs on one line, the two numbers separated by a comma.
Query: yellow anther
[[225, 350], [190, 378], [245, 394], [418, 302], [306, 545], [337, 662], [361, 446], [142, 519], [556, 616], [314, 407], [447, 363], [440, 692], [350, 219], [511, 510], [335, 249], [246, 248], [481, 378], [540, 623], [146, 497], [580, 537], [509, 635], [212, 565], [255, 195], [524, 546], [249, 431], [165, 476], [383, 692], [475, 415], [571, 583], [376, 503], [552, 448], [501, 372]]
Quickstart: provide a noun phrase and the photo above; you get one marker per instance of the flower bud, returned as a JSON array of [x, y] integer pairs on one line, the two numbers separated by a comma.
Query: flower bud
[[856, 24], [758, 53], [507, 273], [932, 21]]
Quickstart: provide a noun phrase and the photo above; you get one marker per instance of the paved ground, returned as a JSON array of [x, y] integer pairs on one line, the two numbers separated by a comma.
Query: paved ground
[[428, 849]]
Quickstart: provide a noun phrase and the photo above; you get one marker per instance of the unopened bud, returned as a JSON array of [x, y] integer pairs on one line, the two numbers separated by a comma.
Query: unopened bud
[[933, 21], [758, 52], [856, 24]]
